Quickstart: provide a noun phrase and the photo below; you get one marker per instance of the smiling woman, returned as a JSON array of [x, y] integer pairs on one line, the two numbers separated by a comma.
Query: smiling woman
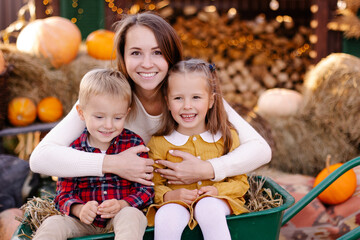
[[147, 46]]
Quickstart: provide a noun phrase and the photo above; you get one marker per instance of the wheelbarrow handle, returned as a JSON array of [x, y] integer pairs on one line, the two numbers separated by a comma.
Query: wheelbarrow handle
[[297, 207]]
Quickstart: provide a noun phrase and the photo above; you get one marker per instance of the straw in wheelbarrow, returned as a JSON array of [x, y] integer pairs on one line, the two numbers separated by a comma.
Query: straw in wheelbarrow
[[259, 198]]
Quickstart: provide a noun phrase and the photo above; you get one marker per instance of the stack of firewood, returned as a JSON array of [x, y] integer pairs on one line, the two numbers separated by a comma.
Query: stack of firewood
[[250, 56]]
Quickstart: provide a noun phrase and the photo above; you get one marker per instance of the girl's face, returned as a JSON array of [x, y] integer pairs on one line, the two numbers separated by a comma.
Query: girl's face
[[104, 119], [144, 61], [188, 100]]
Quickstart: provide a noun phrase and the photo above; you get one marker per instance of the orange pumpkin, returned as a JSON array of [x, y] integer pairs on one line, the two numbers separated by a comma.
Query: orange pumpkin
[[341, 189], [100, 44], [2, 62], [21, 111], [49, 109], [55, 38]]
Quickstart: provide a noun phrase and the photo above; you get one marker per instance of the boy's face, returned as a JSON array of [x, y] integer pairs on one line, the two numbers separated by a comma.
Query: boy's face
[[104, 117]]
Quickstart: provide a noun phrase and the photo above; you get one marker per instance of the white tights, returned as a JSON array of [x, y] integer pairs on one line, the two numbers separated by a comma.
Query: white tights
[[210, 213]]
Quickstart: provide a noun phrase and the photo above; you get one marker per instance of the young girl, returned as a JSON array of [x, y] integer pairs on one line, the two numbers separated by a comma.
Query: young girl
[[147, 46], [195, 122]]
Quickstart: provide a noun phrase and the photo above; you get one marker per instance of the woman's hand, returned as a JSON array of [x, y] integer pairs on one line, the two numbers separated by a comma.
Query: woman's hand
[[182, 194], [109, 208], [190, 170], [130, 166]]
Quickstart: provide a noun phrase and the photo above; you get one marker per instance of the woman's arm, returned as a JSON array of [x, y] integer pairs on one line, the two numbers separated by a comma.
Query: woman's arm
[[252, 153], [54, 157]]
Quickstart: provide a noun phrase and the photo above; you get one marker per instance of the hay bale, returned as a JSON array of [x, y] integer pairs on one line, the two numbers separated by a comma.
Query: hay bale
[[332, 95], [256, 121], [327, 121], [75, 70], [302, 145], [4, 95], [34, 77]]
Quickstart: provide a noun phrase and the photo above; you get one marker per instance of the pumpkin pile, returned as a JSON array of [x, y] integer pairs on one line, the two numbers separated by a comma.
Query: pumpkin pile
[[22, 111]]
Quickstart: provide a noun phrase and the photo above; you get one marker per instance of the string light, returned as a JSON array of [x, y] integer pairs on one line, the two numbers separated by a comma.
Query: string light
[[48, 7], [341, 4], [274, 5], [79, 11]]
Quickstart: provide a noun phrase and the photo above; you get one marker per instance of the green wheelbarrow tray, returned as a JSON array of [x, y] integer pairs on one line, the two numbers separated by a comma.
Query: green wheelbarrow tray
[[255, 225]]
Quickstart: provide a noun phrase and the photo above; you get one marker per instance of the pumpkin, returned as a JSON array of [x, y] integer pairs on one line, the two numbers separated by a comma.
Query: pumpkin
[[9, 223], [279, 102], [21, 111], [49, 109], [55, 38], [341, 189], [100, 44], [2, 63]]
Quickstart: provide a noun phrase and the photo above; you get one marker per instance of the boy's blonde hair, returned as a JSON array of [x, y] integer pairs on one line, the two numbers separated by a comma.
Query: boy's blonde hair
[[104, 81]]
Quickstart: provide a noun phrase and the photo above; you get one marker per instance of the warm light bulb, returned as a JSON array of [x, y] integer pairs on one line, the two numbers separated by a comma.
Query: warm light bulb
[[341, 4], [274, 5]]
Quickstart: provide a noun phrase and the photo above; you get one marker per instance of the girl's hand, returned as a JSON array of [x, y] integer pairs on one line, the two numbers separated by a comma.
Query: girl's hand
[[190, 170], [88, 212], [208, 190], [109, 208], [182, 194], [130, 166]]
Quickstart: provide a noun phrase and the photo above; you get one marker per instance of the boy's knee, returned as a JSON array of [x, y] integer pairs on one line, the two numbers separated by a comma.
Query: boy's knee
[[54, 220], [131, 214]]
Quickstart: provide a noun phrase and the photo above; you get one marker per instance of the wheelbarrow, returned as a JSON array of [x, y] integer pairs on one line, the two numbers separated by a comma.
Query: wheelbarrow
[[260, 225]]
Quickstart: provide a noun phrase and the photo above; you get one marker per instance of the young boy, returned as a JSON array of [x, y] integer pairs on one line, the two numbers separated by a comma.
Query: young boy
[[93, 205]]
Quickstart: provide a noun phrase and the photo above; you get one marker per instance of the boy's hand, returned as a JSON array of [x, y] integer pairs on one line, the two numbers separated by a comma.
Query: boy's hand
[[88, 212], [208, 190], [182, 194], [109, 208]]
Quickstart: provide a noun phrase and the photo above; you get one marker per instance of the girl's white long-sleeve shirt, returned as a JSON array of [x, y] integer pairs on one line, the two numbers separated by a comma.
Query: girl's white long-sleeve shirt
[[53, 157]]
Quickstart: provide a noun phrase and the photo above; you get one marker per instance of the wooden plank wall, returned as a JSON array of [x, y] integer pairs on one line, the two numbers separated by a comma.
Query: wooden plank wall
[[8, 12]]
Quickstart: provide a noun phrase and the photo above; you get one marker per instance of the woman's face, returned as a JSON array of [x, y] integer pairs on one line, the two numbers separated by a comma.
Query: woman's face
[[144, 61]]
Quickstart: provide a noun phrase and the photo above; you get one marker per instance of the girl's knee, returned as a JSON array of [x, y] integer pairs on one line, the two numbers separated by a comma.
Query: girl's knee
[[210, 206], [172, 214]]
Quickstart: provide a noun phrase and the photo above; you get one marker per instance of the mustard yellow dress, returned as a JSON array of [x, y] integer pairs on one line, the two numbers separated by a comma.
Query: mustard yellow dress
[[204, 146]]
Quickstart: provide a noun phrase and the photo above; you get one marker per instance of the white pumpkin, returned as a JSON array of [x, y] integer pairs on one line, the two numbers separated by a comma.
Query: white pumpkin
[[55, 38], [279, 102]]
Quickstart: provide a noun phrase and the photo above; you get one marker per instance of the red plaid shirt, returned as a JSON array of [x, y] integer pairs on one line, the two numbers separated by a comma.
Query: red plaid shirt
[[83, 189]]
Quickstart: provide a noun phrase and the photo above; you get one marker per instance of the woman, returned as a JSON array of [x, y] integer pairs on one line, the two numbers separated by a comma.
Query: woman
[[147, 46]]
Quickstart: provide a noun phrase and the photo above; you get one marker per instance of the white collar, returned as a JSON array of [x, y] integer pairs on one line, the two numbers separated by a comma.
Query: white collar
[[179, 139]]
